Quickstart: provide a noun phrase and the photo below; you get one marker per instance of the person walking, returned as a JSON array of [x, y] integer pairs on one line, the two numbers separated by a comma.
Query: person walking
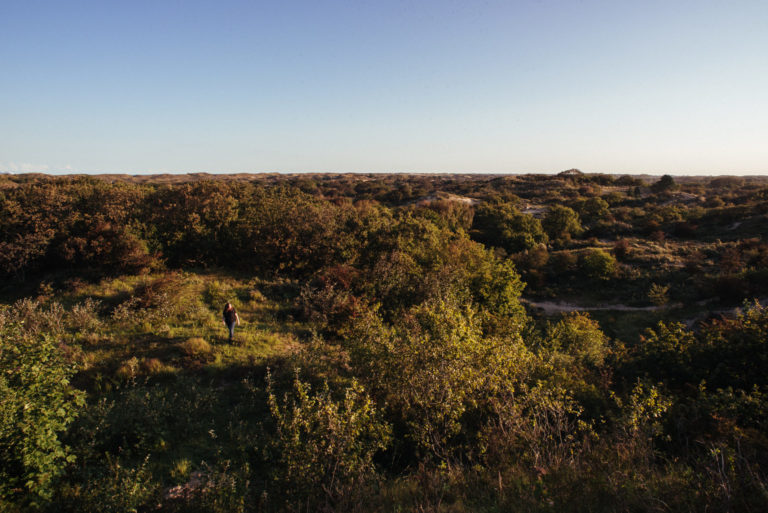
[[230, 319]]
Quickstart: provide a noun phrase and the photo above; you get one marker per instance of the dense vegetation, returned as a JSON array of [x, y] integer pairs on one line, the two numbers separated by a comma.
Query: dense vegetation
[[409, 343]]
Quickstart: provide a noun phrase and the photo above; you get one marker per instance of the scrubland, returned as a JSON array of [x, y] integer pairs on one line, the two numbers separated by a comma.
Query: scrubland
[[390, 356]]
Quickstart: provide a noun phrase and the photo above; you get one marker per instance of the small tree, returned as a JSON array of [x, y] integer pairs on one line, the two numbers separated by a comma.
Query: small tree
[[562, 222], [665, 184], [598, 264], [502, 225], [595, 208]]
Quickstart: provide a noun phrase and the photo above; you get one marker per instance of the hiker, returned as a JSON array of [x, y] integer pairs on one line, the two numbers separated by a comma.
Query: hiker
[[230, 318]]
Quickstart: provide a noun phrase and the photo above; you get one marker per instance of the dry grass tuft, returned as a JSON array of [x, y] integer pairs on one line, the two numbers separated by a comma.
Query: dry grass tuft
[[195, 347], [152, 366]]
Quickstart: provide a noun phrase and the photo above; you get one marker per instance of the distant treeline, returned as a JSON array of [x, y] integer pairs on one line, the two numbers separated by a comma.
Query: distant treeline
[[302, 224]]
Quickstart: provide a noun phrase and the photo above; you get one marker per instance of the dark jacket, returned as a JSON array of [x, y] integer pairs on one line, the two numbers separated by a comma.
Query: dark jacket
[[230, 316]]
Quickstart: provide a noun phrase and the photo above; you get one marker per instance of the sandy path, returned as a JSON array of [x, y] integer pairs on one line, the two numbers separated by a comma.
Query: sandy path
[[552, 307]]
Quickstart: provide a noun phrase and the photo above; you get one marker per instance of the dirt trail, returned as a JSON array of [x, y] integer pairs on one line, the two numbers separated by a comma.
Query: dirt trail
[[552, 307]]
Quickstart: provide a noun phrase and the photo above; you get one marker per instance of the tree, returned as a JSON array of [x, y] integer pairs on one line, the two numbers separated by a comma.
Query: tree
[[665, 184], [562, 222], [502, 225], [598, 264], [595, 208]]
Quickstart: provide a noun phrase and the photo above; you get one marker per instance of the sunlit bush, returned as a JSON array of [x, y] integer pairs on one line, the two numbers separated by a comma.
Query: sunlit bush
[[324, 446], [37, 404]]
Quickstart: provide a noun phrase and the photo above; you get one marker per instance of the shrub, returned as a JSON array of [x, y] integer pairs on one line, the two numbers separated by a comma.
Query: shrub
[[594, 208], [535, 258], [598, 264], [127, 313], [327, 308], [325, 446], [84, 316], [153, 366], [580, 337], [658, 294], [212, 490], [432, 366], [128, 369], [731, 260], [119, 489], [563, 261], [643, 412], [37, 403], [539, 426], [26, 312], [665, 184], [502, 225], [52, 318], [159, 293], [622, 249], [561, 222]]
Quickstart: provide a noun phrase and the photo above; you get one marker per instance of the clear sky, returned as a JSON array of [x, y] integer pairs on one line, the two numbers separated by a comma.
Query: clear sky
[[384, 86]]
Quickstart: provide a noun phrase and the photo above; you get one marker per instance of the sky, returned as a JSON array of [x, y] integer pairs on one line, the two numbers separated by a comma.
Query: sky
[[483, 86]]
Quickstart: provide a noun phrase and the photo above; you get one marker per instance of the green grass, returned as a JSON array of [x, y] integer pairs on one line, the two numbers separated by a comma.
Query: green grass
[[135, 333], [163, 381]]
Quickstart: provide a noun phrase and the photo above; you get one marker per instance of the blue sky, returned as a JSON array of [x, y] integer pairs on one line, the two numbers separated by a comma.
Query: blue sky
[[387, 86]]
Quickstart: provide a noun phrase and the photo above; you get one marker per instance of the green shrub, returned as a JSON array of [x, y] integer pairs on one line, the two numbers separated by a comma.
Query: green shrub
[[37, 404], [561, 222], [597, 264], [724, 353], [580, 337], [432, 366], [118, 489], [324, 446], [665, 184], [643, 412], [502, 225], [658, 294]]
